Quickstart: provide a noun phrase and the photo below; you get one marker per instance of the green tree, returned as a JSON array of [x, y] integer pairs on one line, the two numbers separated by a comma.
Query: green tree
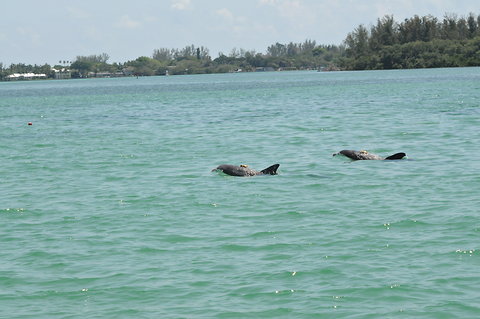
[[450, 28], [472, 26], [357, 42], [163, 54], [82, 67], [145, 66], [384, 33], [277, 50]]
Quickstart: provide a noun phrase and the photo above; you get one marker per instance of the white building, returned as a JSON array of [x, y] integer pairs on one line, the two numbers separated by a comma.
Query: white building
[[25, 76], [62, 74]]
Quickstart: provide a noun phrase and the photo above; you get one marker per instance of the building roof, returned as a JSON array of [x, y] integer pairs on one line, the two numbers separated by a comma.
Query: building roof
[[25, 75]]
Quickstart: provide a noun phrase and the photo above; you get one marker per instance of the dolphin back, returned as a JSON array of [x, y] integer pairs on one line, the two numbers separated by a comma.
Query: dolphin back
[[348, 153], [396, 156], [364, 155], [359, 155], [271, 170], [234, 170]]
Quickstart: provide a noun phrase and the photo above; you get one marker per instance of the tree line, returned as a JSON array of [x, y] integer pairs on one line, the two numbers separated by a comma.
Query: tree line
[[417, 42]]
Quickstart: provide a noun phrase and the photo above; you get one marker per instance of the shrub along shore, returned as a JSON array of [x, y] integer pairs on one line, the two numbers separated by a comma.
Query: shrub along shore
[[417, 42]]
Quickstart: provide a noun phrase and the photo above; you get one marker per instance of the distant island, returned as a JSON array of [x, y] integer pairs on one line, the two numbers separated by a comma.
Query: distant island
[[417, 42]]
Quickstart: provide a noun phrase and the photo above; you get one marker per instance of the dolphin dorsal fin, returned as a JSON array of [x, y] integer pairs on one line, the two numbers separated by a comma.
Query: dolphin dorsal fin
[[396, 156], [272, 170]]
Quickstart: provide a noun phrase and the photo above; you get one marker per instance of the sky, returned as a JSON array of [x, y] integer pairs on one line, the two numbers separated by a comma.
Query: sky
[[49, 31]]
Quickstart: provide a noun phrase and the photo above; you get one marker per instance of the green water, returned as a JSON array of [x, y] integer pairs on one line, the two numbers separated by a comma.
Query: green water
[[109, 208]]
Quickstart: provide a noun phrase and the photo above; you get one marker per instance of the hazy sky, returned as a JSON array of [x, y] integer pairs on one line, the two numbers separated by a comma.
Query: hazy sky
[[46, 31]]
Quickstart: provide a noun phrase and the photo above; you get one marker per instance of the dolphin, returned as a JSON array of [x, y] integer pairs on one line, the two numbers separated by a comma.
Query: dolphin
[[364, 155], [244, 170]]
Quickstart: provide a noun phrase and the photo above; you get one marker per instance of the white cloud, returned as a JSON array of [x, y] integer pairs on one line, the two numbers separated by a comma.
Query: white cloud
[[30, 35], [225, 13], [92, 33], [78, 13], [298, 14], [128, 23], [267, 2], [181, 4], [233, 23]]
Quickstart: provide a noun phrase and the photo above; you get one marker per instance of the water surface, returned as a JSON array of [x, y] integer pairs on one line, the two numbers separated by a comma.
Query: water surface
[[109, 208]]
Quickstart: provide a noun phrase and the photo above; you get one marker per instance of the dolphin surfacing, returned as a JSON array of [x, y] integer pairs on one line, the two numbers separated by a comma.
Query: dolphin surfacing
[[244, 170], [364, 155]]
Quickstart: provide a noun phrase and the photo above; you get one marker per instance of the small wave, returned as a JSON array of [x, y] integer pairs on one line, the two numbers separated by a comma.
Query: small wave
[[406, 223], [13, 210]]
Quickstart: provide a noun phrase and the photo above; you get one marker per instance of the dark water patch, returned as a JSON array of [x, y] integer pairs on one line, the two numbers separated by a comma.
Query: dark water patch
[[264, 234], [269, 313], [319, 176], [175, 238], [269, 248], [235, 247], [151, 250], [277, 257]]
